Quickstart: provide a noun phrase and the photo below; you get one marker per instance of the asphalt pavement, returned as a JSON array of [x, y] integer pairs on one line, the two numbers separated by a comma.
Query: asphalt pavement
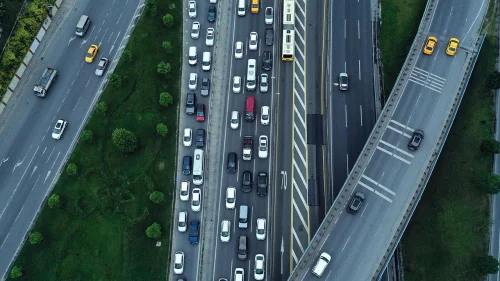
[[30, 158]]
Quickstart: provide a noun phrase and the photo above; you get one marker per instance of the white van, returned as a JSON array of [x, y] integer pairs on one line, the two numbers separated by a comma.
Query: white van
[[243, 218], [241, 8], [193, 55], [251, 74], [321, 264], [207, 61], [82, 26]]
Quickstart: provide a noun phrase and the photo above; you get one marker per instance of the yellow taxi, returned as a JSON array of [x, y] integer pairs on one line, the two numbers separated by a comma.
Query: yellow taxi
[[429, 45], [452, 47], [254, 8], [91, 53]]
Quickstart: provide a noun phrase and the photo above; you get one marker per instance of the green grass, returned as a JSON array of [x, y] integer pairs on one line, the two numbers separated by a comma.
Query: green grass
[[8, 19], [449, 229], [99, 231]]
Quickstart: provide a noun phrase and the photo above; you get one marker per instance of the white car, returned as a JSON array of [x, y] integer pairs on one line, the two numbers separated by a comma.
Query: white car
[[179, 262], [260, 231], [263, 147], [239, 274], [195, 30], [184, 193], [187, 140], [193, 81], [213, 1], [192, 9], [59, 129], [230, 197], [225, 231], [264, 115], [236, 84], [182, 222], [101, 66], [260, 264], [264, 83], [235, 120], [196, 200], [209, 40], [254, 40], [238, 50], [269, 14]]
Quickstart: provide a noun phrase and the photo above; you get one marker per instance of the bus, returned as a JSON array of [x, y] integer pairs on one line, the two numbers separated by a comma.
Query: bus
[[198, 167], [288, 30]]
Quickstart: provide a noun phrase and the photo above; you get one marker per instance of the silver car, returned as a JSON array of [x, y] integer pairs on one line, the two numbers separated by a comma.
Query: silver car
[[101, 66], [209, 40], [264, 83], [343, 81], [195, 30]]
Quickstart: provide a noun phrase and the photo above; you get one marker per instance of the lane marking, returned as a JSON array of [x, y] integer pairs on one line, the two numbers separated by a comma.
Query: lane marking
[[296, 187]]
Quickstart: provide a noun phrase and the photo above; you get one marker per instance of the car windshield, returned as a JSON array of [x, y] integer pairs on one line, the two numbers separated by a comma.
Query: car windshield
[[89, 54], [182, 224], [263, 148], [260, 231], [259, 271], [225, 234]]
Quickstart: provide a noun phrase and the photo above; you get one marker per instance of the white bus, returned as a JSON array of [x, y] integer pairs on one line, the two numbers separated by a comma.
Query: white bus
[[288, 30], [198, 167]]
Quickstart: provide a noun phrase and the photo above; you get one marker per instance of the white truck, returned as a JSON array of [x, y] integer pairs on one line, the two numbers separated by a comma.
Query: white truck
[[247, 148], [43, 85]]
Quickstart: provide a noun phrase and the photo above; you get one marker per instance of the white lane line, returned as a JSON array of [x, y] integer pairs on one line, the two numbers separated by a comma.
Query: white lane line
[[300, 135], [298, 240], [301, 10], [301, 71], [300, 36], [300, 22], [300, 100], [397, 148], [379, 185], [359, 69], [359, 33], [401, 125], [393, 155], [345, 28], [424, 85], [300, 153], [300, 174], [347, 164], [300, 51], [345, 115], [294, 257], [398, 131], [297, 189], [299, 116], [300, 217], [361, 114], [376, 192], [346, 243]]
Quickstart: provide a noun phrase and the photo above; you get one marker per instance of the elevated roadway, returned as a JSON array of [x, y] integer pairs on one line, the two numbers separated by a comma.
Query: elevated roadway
[[426, 96]]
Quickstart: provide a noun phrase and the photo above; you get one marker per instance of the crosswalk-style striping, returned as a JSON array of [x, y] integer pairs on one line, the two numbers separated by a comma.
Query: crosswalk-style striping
[[426, 79]]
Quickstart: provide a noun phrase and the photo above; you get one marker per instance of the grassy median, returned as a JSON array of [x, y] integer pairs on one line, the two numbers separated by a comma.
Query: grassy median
[[99, 230], [449, 229]]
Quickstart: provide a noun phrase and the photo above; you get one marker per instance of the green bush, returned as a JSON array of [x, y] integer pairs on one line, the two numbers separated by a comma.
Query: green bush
[[167, 46], [490, 146], [54, 201], [115, 79], [127, 56], [166, 99], [157, 197], [124, 140], [35, 238], [162, 129], [87, 135], [490, 183], [486, 265], [168, 20], [102, 108], [493, 80], [151, 7], [72, 169], [164, 68], [154, 230], [16, 272]]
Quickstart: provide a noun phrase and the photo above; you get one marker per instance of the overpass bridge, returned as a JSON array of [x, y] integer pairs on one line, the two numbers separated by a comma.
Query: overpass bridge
[[426, 96]]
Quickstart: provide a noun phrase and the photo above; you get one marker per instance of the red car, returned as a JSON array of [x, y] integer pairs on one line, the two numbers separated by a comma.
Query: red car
[[200, 112]]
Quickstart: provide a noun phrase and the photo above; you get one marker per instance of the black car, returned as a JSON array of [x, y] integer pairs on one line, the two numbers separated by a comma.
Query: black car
[[190, 103], [205, 87], [212, 10], [246, 182], [187, 164], [194, 231], [355, 203], [269, 36], [267, 60], [232, 162], [200, 138], [415, 140], [262, 184]]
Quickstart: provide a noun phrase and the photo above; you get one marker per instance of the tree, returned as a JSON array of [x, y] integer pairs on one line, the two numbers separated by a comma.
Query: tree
[[35, 238], [151, 7], [164, 67], [127, 56], [54, 201], [166, 99], [154, 230], [162, 129], [487, 265], [167, 46], [156, 197], [168, 20], [124, 140], [16, 272], [490, 146], [102, 108], [490, 183], [115, 79], [493, 80], [72, 169], [87, 135]]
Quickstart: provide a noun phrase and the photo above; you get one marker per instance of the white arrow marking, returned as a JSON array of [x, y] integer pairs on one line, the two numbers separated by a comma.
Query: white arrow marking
[[34, 169], [3, 161], [47, 176], [71, 39], [282, 251]]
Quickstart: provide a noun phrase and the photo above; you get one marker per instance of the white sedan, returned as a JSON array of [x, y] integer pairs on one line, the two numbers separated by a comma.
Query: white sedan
[[196, 200], [254, 39], [179, 262], [184, 193], [192, 9], [225, 233], [195, 30], [260, 232], [238, 50], [264, 115], [259, 271], [263, 147], [187, 139], [101, 66], [236, 84], [230, 197], [183, 221], [59, 129], [193, 81], [209, 40]]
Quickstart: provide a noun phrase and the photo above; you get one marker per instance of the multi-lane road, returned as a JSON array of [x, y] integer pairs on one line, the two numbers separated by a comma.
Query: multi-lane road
[[30, 158]]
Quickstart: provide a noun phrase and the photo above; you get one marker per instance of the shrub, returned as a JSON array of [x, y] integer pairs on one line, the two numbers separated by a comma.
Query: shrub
[[157, 197], [16, 272], [154, 230], [102, 108], [124, 140], [54, 201], [490, 146], [72, 169], [168, 20], [493, 80], [87, 135], [164, 67], [162, 129], [127, 56], [115, 79], [490, 183], [166, 99], [486, 265], [167, 46], [35, 238], [151, 7]]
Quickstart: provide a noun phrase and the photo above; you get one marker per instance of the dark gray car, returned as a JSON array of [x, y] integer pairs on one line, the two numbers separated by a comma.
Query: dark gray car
[[242, 248], [205, 87], [190, 103], [416, 140], [246, 181], [200, 138], [355, 203], [269, 36]]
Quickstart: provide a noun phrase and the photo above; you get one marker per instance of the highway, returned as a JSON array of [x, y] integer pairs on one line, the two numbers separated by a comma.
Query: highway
[[389, 173], [30, 158]]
